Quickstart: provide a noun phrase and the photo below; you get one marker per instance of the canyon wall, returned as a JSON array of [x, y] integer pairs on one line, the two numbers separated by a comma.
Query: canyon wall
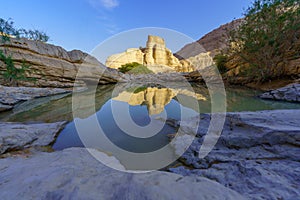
[[53, 66]]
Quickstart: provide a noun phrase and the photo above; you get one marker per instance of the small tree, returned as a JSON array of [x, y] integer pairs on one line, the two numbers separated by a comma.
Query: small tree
[[33, 35], [8, 30], [270, 29]]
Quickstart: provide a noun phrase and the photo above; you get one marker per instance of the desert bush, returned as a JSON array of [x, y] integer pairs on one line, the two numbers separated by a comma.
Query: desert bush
[[13, 74], [220, 61], [134, 68]]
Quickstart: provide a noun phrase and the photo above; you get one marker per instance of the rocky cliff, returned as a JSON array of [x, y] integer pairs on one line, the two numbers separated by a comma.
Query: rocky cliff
[[156, 56], [53, 66]]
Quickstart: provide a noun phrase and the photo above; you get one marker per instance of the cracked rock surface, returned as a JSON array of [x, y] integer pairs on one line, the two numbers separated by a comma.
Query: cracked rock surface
[[75, 174], [257, 154]]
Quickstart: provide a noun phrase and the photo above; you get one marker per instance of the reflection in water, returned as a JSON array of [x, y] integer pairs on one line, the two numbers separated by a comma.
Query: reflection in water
[[139, 115], [91, 138], [52, 109], [154, 98]]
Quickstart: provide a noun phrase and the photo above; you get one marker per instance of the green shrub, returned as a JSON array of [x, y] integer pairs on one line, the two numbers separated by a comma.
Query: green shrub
[[129, 66], [140, 70], [134, 68], [13, 74], [220, 61]]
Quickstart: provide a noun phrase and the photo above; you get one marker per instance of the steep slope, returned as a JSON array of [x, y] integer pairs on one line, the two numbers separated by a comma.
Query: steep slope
[[213, 42]]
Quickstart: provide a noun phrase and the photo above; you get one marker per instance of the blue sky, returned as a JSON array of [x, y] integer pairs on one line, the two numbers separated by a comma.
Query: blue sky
[[83, 24]]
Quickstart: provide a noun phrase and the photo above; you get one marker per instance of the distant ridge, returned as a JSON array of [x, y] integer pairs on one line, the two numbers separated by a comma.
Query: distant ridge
[[213, 42]]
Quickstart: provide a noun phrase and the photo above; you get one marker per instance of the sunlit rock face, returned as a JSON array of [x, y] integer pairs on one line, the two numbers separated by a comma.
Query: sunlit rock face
[[156, 56], [130, 55], [156, 53], [201, 60], [154, 98]]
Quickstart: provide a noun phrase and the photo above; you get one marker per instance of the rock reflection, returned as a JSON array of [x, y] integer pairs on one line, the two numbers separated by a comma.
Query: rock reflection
[[154, 98]]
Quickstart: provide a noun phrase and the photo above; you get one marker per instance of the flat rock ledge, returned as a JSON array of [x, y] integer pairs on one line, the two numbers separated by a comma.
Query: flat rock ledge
[[18, 136], [10, 96], [257, 154], [74, 174], [288, 93], [5, 107]]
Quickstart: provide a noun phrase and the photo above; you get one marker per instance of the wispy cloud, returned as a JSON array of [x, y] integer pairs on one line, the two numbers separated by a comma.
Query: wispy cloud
[[105, 15], [108, 4]]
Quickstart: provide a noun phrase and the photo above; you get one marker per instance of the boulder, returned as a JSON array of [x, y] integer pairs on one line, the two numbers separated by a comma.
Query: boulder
[[256, 155], [290, 93], [18, 136], [75, 174]]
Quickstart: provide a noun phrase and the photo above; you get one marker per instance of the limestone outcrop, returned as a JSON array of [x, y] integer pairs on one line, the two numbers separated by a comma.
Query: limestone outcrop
[[53, 66], [75, 174], [156, 56]]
